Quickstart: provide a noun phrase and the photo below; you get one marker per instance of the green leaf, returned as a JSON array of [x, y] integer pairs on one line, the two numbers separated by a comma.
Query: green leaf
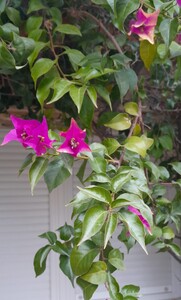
[[98, 164], [7, 61], [66, 267], [162, 51], [168, 29], [176, 166], [154, 169], [101, 177], [111, 144], [75, 56], [116, 259], [131, 108], [23, 48], [111, 224], [175, 248], [81, 171], [104, 93], [27, 161], [130, 290], [65, 232], [91, 91], [119, 122], [97, 273], [138, 144], [41, 67], [98, 193], [135, 227], [60, 248], [37, 170], [147, 53], [82, 257], [38, 47], [40, 259], [166, 142], [56, 173], [14, 15], [33, 22], [119, 180], [68, 29], [120, 59], [93, 221], [77, 95], [135, 201], [164, 174], [50, 236], [6, 31], [175, 49], [168, 233], [43, 89], [123, 9], [61, 87], [87, 288], [126, 80], [2, 5], [112, 4], [56, 15], [87, 113], [100, 2], [113, 288], [35, 6]]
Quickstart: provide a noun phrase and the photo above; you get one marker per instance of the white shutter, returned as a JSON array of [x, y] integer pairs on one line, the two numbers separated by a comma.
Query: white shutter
[[22, 218]]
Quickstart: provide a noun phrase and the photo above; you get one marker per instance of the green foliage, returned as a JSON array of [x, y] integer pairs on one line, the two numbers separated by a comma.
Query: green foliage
[[77, 59]]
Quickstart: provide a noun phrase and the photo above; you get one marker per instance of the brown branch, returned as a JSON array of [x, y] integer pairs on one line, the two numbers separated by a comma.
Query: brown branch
[[101, 25], [48, 27]]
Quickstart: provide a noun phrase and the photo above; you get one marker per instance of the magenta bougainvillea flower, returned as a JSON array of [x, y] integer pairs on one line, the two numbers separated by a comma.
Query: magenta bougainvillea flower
[[179, 2], [144, 25], [74, 140], [178, 38], [142, 219], [41, 141], [30, 133]]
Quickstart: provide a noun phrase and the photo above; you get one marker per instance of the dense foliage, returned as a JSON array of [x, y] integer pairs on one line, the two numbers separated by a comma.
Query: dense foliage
[[113, 68]]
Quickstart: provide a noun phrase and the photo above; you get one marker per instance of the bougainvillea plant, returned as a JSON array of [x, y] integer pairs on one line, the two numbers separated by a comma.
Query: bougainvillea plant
[[111, 69]]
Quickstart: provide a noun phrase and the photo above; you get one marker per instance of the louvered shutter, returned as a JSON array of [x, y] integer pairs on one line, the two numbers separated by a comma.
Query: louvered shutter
[[22, 219]]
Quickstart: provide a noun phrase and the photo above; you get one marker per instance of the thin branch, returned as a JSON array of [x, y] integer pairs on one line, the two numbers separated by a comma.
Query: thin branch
[[101, 25], [48, 27]]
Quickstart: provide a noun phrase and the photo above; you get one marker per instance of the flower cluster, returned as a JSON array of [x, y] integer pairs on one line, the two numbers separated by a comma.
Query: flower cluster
[[34, 134], [144, 25]]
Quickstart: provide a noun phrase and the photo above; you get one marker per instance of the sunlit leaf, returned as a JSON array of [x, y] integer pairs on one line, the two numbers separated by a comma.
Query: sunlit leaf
[[97, 273], [82, 257], [119, 122], [93, 221]]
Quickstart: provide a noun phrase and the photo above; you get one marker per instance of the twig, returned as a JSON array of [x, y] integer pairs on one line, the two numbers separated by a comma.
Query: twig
[[101, 25], [48, 27]]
